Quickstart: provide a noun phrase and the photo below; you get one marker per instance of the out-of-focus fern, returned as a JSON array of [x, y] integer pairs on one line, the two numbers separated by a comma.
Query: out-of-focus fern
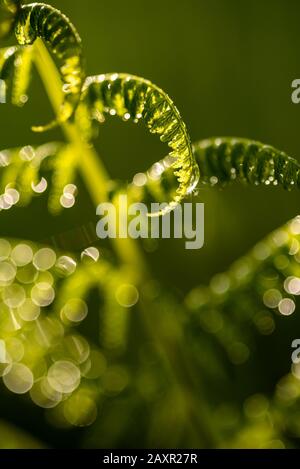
[[21, 173], [254, 296], [44, 297], [270, 421], [28, 171], [131, 97], [113, 312], [266, 280], [41, 20]]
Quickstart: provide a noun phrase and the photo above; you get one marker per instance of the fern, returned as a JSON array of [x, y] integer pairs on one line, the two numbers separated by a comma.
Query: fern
[[9, 10], [135, 98], [41, 20], [222, 160], [45, 294]]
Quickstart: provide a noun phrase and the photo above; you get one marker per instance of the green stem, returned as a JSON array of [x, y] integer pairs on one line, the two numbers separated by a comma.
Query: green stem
[[96, 180], [90, 165]]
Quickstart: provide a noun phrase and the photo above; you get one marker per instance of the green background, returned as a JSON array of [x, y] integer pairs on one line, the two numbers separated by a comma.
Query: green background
[[228, 65]]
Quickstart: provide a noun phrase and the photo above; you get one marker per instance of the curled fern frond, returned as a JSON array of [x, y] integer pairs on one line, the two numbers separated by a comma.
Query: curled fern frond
[[15, 71], [43, 21], [9, 10], [135, 98], [222, 160]]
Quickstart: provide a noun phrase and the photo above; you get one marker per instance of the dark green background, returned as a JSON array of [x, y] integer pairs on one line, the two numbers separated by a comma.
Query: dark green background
[[228, 65]]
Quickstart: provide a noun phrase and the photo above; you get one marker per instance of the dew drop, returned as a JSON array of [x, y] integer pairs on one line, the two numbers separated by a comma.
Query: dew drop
[[42, 294], [14, 296], [5, 249], [272, 298], [75, 310], [44, 259], [67, 200], [140, 180], [127, 295], [65, 266], [286, 307], [40, 187], [7, 273], [22, 255], [43, 395], [29, 311], [64, 377], [91, 254], [19, 379]]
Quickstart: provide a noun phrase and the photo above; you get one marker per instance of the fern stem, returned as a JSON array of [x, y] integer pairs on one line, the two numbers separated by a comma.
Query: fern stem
[[91, 166]]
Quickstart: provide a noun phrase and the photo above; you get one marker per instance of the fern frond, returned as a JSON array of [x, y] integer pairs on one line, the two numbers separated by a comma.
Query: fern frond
[[63, 167], [135, 98], [43, 21], [9, 10], [15, 71], [222, 160], [22, 170]]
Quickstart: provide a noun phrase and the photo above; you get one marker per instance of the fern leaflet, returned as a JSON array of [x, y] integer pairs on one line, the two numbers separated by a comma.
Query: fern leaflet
[[226, 159]]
